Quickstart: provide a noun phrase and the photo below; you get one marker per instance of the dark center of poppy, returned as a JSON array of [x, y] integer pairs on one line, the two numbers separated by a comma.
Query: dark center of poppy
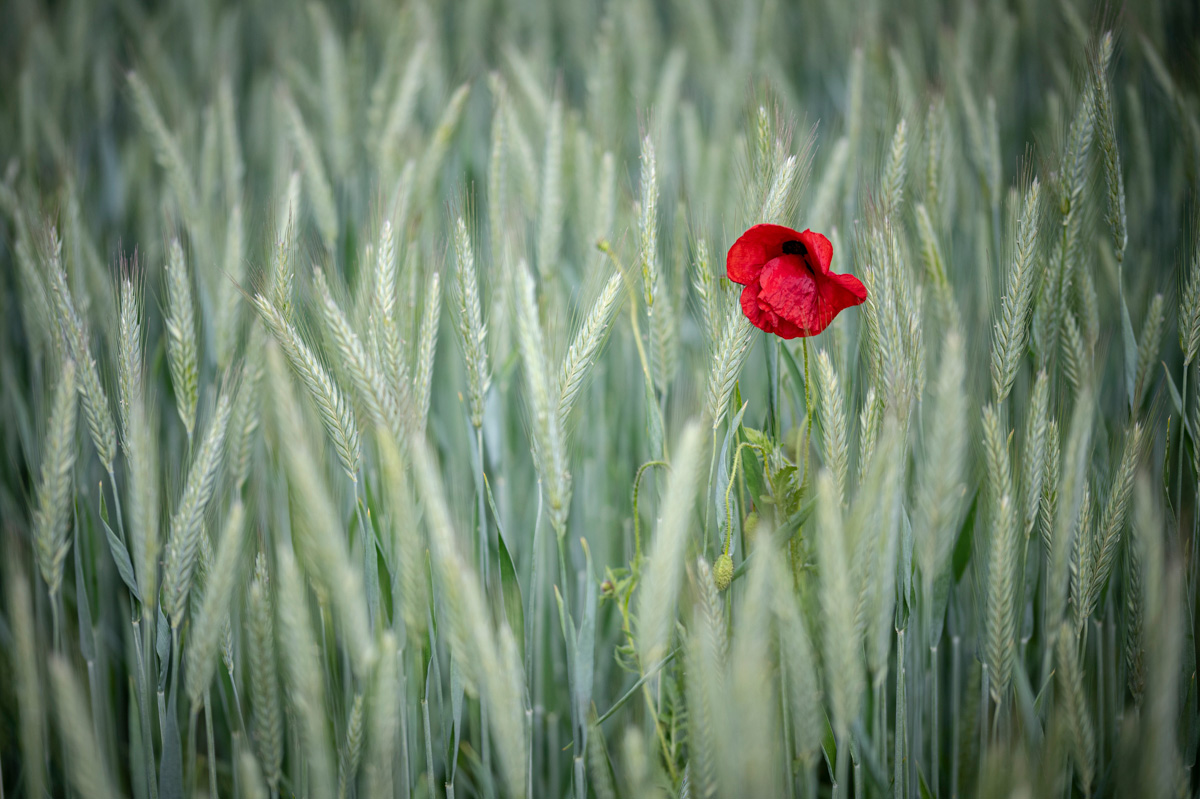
[[794, 247]]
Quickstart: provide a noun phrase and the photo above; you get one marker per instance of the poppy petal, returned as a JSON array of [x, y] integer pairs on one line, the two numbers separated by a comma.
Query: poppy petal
[[754, 248], [790, 289], [819, 249], [763, 316]]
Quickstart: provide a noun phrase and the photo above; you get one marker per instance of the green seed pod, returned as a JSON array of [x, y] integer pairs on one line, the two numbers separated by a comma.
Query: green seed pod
[[723, 571]]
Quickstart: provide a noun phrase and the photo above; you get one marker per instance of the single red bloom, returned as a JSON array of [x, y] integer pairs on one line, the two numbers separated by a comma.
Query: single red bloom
[[789, 289]]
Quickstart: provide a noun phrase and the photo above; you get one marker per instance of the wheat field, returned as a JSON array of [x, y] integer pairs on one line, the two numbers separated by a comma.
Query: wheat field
[[378, 419]]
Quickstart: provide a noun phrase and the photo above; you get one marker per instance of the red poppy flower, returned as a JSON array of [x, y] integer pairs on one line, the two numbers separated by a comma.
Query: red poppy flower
[[789, 289]]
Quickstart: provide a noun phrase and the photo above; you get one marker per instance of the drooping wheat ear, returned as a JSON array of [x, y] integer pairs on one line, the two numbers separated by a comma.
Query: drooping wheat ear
[[472, 332], [84, 761], [383, 721], [1116, 510], [585, 347], [550, 217], [841, 644], [335, 412], [351, 754], [166, 149], [489, 664], [183, 542], [27, 684], [1012, 327], [384, 407], [129, 351], [52, 515], [95, 402], [427, 348], [301, 658], [895, 171], [181, 338], [549, 447], [648, 221], [264, 677], [664, 568], [730, 355], [1073, 702], [320, 194], [210, 623], [1148, 344], [1034, 451], [824, 202], [834, 447], [319, 535], [940, 480], [1106, 127]]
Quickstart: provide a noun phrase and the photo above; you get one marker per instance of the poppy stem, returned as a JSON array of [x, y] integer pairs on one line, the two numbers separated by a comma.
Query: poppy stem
[[807, 412]]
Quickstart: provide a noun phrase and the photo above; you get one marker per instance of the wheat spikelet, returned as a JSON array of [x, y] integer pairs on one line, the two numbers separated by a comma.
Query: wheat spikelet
[[1148, 344], [183, 541], [332, 407], [435, 152], [1189, 311], [1073, 702], [547, 429], [352, 750], [940, 480], [727, 361], [51, 517], [1011, 330], [1105, 124], [373, 388], [228, 299], [550, 217], [95, 401], [181, 339], [472, 332], [427, 348], [585, 346], [1048, 503], [841, 645], [895, 171], [129, 349], [779, 195], [648, 221], [1112, 521], [319, 535], [214, 612], [264, 679], [833, 423]]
